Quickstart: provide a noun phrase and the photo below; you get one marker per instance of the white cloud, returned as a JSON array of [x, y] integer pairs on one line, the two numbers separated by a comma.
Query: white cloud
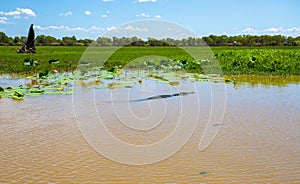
[[273, 29], [128, 28], [26, 11], [143, 15], [3, 20], [144, 1], [69, 29], [105, 15], [89, 12], [157, 16], [131, 28], [19, 12], [69, 13], [107, 1], [60, 31], [112, 28], [294, 31], [249, 30]]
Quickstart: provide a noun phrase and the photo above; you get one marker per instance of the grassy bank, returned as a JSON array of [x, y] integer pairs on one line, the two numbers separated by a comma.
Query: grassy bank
[[233, 60], [259, 60], [11, 62]]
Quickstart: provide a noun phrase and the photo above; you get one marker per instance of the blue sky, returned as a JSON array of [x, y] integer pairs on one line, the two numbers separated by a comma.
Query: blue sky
[[92, 18]]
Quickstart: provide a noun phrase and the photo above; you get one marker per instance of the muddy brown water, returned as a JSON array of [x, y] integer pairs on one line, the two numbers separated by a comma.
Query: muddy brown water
[[258, 141]]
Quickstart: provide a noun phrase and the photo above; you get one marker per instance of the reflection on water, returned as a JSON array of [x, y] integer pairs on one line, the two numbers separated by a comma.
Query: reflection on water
[[258, 141], [254, 80]]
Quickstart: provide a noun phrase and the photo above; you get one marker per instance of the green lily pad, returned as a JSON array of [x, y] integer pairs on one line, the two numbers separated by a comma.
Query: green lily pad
[[9, 88], [228, 81], [43, 73], [58, 92], [34, 94], [53, 61], [113, 69], [84, 63], [24, 87], [60, 89], [30, 77], [174, 83], [35, 63], [18, 94], [37, 91], [30, 62], [101, 87], [17, 97]]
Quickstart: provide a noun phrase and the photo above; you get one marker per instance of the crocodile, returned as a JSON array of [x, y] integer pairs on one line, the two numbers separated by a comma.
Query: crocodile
[[162, 96]]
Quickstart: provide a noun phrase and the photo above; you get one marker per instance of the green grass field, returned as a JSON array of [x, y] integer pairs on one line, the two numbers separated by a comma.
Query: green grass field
[[233, 60]]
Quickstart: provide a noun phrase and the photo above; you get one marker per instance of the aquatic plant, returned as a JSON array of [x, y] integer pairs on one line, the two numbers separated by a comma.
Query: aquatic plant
[[53, 61], [43, 73], [30, 62], [47, 83]]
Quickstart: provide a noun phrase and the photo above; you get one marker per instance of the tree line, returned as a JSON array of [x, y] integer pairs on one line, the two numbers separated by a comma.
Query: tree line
[[211, 40]]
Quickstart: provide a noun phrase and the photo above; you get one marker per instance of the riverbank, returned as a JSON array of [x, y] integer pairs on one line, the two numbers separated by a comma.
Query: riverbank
[[232, 60]]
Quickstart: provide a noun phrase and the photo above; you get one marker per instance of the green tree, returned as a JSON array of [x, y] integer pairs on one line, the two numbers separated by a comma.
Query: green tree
[[85, 42], [69, 41], [17, 40], [4, 40]]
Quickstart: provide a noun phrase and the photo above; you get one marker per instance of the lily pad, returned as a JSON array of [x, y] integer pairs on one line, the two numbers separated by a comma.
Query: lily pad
[[18, 94], [58, 92], [228, 81], [60, 89], [17, 97], [37, 91], [113, 69], [43, 73], [24, 87], [84, 63], [53, 61], [183, 62], [30, 62], [174, 83], [34, 94], [101, 87], [9, 88]]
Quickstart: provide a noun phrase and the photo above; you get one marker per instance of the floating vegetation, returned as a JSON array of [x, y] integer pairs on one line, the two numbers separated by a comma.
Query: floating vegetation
[[43, 73], [18, 95], [53, 61], [35, 86], [228, 81], [37, 91], [84, 63], [30, 62], [54, 83], [174, 83]]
